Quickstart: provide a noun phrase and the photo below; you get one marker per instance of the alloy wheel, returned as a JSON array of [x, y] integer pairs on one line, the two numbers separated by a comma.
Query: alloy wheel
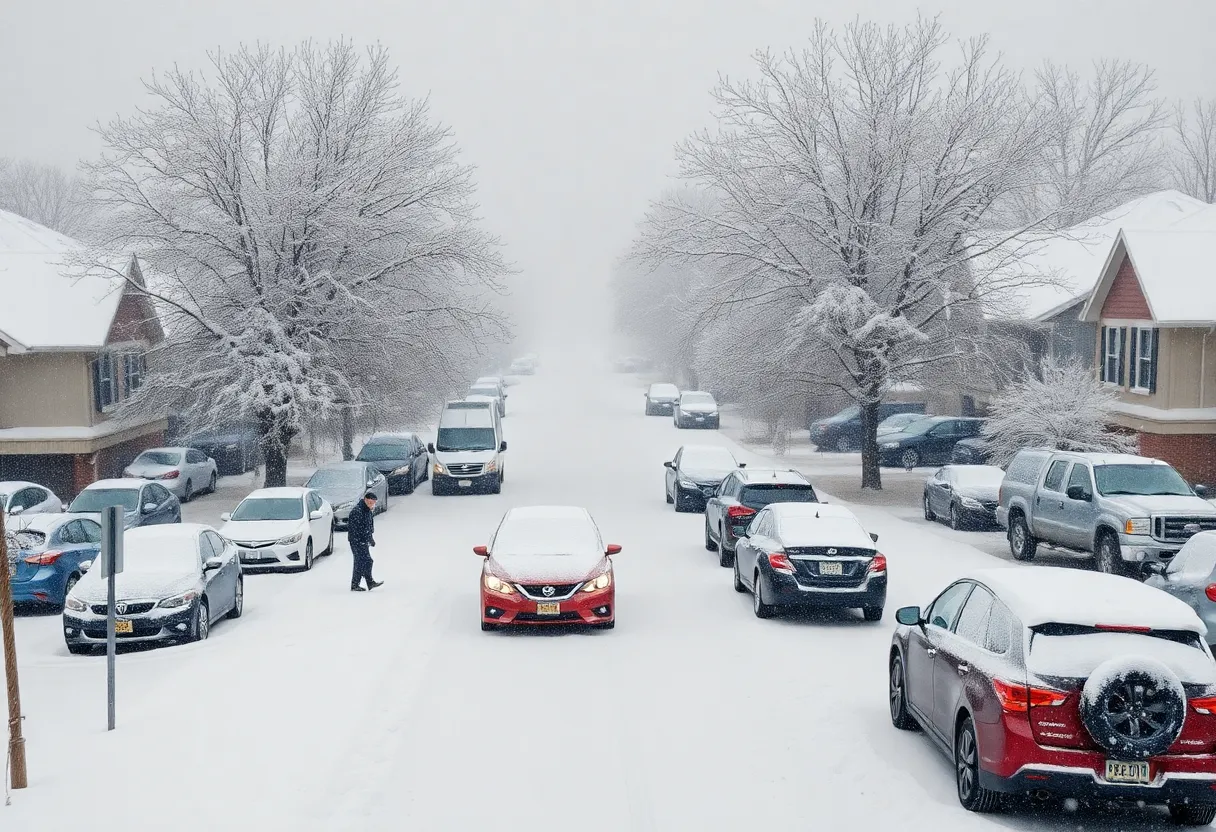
[[308, 555], [965, 764], [240, 596], [928, 511], [897, 690], [910, 458], [203, 628], [954, 524]]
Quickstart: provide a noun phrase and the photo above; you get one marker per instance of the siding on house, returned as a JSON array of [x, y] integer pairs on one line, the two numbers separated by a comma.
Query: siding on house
[[1194, 455], [46, 389], [1125, 300]]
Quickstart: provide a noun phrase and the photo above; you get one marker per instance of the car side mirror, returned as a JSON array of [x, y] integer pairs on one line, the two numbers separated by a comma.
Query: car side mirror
[[370, 483], [873, 537], [947, 487], [482, 551], [1152, 567], [1078, 492], [226, 516], [908, 616], [316, 515], [15, 510], [1201, 491], [502, 447], [212, 564], [430, 447], [613, 549], [669, 464], [742, 464], [149, 508], [85, 566]]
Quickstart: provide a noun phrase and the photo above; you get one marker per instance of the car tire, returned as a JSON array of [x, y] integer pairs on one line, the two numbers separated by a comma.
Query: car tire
[[1108, 556], [681, 505], [871, 613], [667, 496], [844, 445], [213, 484], [910, 458], [308, 556], [972, 796], [759, 607], [497, 487], [1022, 544], [238, 606], [188, 494], [1191, 814], [72, 580], [929, 515], [739, 585], [435, 489], [726, 558], [710, 546], [200, 625], [897, 694], [956, 522], [1125, 686]]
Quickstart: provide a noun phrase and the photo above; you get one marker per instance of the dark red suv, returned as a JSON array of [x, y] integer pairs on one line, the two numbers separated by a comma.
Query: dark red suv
[[1047, 682]]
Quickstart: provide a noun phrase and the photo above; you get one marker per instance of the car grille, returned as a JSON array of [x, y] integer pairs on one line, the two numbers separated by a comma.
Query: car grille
[[537, 591], [1175, 528], [132, 607], [561, 616], [253, 544], [989, 505], [852, 572], [465, 469], [139, 626]]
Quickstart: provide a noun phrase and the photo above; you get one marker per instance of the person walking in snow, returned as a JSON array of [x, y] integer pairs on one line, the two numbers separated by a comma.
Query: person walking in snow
[[360, 534]]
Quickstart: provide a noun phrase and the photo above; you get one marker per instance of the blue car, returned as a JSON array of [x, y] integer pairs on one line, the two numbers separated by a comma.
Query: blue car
[[45, 552]]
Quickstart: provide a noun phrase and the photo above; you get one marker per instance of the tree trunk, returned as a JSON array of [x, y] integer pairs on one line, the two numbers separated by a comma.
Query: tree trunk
[[276, 439], [871, 474], [348, 434]]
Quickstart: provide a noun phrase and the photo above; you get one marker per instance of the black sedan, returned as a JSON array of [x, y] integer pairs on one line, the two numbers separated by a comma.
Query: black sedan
[[972, 451], [965, 496], [927, 442], [810, 555], [235, 448], [695, 474], [400, 457], [176, 581]]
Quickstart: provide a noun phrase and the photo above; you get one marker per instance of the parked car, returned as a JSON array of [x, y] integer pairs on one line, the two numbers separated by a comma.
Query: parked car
[[743, 493], [661, 399], [143, 503], [696, 409], [897, 422], [965, 496], [632, 364], [19, 497], [400, 457], [523, 367], [929, 441], [842, 432], [342, 484], [175, 583], [469, 450], [1065, 683], [235, 448], [694, 474], [45, 553], [810, 555], [184, 471], [492, 391], [973, 451], [281, 528], [547, 565], [1124, 509], [1190, 576]]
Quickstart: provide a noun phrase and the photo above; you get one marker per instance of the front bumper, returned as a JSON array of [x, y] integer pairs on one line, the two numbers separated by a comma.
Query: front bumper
[[977, 516], [85, 628], [662, 408], [398, 483], [273, 557], [342, 516], [1143, 548], [582, 608], [478, 483], [698, 495], [690, 420], [784, 590]]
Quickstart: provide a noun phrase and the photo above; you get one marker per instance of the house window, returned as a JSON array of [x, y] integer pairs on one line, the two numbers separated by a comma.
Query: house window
[[1144, 360], [1112, 355], [105, 387], [134, 369]]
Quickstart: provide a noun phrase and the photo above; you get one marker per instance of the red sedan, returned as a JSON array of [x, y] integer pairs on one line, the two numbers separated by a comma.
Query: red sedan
[[547, 565]]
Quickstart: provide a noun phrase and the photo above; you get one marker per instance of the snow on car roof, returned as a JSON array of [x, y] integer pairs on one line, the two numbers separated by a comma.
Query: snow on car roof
[[547, 530], [1058, 595], [819, 524], [781, 476], [42, 522], [126, 482], [8, 486], [820, 510], [166, 531], [280, 491]]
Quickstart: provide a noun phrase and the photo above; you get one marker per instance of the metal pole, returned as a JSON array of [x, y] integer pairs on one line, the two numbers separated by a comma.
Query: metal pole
[[16, 743], [112, 525]]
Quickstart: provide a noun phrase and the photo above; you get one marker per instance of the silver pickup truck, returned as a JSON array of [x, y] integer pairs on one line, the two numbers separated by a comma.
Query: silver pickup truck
[[1127, 510]]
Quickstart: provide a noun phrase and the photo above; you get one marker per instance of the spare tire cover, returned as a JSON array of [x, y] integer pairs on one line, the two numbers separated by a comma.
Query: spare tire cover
[[1133, 707]]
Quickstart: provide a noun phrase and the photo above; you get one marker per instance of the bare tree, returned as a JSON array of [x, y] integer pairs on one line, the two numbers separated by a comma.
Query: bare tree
[[300, 222], [44, 194], [1193, 157], [855, 183]]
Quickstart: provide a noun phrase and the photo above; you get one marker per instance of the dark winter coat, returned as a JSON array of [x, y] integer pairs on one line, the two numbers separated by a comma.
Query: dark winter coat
[[361, 526]]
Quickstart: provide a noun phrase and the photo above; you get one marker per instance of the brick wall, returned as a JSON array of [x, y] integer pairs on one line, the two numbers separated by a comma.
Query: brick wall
[[1194, 455], [1125, 300]]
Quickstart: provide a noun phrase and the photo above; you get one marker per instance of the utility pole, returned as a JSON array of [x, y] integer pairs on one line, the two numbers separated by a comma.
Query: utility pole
[[16, 743]]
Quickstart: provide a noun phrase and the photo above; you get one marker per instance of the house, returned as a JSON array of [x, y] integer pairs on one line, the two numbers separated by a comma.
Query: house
[[1154, 307], [72, 347]]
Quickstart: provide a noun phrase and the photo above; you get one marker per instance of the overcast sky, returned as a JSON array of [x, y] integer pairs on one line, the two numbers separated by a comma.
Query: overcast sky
[[569, 109]]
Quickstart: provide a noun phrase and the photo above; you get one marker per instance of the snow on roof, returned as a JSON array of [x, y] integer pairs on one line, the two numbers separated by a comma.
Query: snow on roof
[[42, 522], [48, 305], [821, 510], [818, 524], [784, 476], [124, 482], [280, 491], [9, 486], [1058, 595], [1074, 259], [1159, 414], [1176, 273], [547, 530], [166, 531]]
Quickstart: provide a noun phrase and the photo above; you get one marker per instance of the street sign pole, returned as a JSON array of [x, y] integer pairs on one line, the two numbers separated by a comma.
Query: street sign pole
[[112, 524]]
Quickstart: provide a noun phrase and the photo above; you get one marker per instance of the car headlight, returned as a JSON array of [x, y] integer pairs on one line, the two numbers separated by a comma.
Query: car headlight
[[890, 446], [601, 581], [183, 600], [1137, 525], [75, 604], [688, 485], [231, 447], [970, 502], [712, 413], [491, 467], [291, 538], [400, 472], [343, 507], [496, 584], [439, 469]]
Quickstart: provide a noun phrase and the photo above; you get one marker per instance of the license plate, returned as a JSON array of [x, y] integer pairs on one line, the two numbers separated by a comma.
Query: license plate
[[464, 483], [700, 418], [549, 608], [1121, 771], [830, 568], [121, 627]]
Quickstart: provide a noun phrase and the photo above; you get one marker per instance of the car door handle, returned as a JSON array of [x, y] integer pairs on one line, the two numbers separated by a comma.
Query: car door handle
[[963, 670], [931, 651]]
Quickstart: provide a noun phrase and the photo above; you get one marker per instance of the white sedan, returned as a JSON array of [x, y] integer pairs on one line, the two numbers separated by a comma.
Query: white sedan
[[17, 497], [281, 528]]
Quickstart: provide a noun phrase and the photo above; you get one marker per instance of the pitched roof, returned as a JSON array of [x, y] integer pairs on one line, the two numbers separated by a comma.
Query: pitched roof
[[1176, 270], [48, 305], [1074, 260]]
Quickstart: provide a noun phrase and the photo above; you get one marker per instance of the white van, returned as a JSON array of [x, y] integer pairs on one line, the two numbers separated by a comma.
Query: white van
[[468, 452]]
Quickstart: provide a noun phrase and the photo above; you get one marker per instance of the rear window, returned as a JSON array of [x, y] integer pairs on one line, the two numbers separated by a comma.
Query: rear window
[[25, 539], [1025, 468], [759, 496], [159, 458], [1074, 651]]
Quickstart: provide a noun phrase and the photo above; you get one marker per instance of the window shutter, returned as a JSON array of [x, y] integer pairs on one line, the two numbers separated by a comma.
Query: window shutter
[[1122, 355], [96, 365], [1102, 356], [1152, 377], [1133, 360]]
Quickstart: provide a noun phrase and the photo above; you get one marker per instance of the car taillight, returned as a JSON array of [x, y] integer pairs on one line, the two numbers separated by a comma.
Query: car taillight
[[1122, 628], [1204, 705], [44, 558], [1210, 592], [878, 564], [172, 475], [738, 512], [781, 563], [1018, 699]]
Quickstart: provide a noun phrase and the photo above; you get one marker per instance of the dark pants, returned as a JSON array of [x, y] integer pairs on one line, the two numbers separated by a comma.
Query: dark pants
[[363, 565]]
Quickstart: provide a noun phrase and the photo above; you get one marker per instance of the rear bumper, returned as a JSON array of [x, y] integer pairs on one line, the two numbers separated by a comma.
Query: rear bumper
[[1078, 782], [583, 608], [45, 587], [785, 591]]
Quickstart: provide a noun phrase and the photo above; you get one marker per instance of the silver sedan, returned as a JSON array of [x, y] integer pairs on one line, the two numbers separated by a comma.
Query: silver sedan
[[184, 471], [1190, 576]]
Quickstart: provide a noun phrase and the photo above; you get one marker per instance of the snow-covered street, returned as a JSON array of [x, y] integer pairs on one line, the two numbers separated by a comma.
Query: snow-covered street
[[324, 709]]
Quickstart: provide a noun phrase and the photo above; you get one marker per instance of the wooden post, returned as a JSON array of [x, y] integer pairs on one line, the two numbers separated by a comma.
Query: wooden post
[[16, 743]]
